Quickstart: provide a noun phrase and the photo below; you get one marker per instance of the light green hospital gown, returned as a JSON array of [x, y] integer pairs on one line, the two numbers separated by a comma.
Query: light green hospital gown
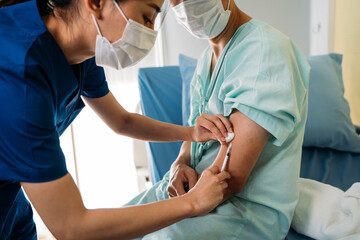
[[262, 74]]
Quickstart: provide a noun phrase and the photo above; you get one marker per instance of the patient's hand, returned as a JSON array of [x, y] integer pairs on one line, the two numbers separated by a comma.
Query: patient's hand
[[181, 175]]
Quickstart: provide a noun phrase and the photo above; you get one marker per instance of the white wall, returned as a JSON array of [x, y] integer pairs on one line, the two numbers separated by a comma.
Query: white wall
[[177, 40], [322, 26], [347, 39], [292, 17]]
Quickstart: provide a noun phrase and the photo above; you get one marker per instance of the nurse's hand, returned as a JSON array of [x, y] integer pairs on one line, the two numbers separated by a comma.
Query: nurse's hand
[[208, 192], [211, 127]]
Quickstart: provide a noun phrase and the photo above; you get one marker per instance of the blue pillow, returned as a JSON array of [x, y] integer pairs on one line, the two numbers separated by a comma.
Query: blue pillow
[[329, 124], [187, 67]]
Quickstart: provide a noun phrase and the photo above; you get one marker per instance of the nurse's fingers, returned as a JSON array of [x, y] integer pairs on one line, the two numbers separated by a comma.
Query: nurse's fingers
[[214, 169], [210, 126], [224, 185], [224, 175], [217, 122], [226, 122]]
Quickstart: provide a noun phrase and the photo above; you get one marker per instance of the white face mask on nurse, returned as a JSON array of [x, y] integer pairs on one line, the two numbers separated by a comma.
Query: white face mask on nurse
[[118, 33], [138, 35]]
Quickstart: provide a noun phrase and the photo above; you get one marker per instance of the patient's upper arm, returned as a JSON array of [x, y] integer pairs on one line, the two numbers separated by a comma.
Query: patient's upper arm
[[250, 139]]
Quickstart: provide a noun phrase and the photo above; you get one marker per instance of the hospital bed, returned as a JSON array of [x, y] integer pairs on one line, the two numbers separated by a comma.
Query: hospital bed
[[165, 96]]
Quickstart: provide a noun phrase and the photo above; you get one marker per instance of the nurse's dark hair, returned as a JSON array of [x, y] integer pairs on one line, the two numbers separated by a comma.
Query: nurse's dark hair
[[47, 6], [44, 6]]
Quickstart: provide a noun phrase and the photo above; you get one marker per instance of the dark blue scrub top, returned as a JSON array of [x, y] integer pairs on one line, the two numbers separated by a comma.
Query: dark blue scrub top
[[39, 97]]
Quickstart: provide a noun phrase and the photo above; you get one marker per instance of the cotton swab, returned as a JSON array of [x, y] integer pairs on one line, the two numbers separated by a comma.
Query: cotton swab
[[228, 139]]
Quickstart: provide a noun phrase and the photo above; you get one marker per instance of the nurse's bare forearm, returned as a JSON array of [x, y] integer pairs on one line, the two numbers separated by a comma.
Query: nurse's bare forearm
[[132, 222], [136, 125], [144, 128], [60, 205], [207, 127]]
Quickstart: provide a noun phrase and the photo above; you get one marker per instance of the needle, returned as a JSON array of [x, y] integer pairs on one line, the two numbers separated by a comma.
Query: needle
[[228, 139], [226, 158]]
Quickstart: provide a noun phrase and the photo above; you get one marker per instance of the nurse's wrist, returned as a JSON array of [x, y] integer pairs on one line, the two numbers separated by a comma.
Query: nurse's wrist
[[187, 205], [189, 134]]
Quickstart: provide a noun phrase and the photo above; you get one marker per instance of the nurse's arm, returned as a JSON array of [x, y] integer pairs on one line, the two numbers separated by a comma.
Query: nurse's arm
[[250, 140], [60, 206], [140, 127]]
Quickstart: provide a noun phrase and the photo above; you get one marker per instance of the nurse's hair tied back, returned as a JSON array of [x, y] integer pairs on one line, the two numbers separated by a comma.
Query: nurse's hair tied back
[[47, 6], [44, 6]]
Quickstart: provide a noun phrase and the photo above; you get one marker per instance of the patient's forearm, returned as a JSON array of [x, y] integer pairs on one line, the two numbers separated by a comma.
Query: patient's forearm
[[221, 156], [185, 153], [239, 165]]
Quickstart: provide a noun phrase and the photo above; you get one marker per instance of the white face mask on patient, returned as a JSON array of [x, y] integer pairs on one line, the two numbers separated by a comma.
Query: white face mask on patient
[[136, 42], [204, 19]]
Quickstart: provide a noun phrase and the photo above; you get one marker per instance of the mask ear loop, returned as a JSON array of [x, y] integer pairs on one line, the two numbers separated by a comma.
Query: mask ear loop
[[122, 13], [228, 7], [97, 26]]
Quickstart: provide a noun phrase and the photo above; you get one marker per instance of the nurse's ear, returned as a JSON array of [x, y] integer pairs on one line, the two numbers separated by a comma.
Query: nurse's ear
[[175, 2], [95, 7]]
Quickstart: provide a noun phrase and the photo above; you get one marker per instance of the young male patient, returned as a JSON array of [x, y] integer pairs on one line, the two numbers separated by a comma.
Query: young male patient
[[257, 77]]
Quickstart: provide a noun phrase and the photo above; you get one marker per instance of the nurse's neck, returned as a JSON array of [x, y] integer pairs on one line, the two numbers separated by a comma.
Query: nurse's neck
[[237, 18], [72, 38]]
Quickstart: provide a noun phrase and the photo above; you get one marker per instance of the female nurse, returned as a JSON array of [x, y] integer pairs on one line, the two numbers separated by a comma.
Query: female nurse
[[47, 67]]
